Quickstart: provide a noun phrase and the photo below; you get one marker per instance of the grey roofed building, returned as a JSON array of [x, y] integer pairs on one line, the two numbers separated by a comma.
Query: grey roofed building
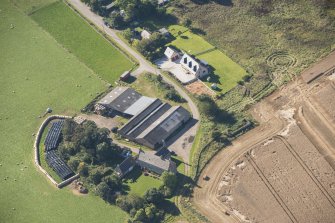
[[156, 134], [156, 164], [142, 103], [154, 124], [125, 167], [120, 99], [164, 32], [145, 34]]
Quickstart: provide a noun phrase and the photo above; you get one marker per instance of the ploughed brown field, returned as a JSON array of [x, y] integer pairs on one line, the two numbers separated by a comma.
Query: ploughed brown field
[[284, 169]]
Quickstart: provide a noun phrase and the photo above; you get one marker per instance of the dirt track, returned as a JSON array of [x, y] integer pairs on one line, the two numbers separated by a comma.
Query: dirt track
[[281, 171]]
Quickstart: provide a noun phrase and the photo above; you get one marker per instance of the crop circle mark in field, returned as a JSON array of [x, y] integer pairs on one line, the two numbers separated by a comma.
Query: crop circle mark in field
[[281, 60]]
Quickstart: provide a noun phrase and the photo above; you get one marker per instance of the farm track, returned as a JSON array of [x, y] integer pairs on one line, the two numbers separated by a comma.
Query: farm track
[[270, 187], [307, 169], [205, 196], [316, 127]]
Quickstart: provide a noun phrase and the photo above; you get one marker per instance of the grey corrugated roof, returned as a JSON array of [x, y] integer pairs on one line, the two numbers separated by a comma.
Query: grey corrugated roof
[[164, 119], [139, 105], [120, 99]]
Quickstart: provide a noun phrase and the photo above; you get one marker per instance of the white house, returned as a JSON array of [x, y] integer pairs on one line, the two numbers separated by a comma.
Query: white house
[[194, 66], [145, 34], [171, 54]]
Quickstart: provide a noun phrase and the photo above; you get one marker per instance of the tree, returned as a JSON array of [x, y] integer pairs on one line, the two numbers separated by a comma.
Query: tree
[[153, 195], [103, 151], [74, 163], [82, 169], [113, 182], [95, 175], [127, 34], [187, 23], [140, 215], [169, 180], [115, 20], [102, 190]]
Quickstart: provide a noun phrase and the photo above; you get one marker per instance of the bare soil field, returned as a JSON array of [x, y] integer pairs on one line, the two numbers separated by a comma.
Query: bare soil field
[[284, 169], [199, 88], [319, 68]]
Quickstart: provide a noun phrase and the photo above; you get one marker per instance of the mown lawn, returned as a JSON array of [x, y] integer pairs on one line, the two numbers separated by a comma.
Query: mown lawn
[[226, 73], [83, 41], [37, 73], [189, 42], [139, 184]]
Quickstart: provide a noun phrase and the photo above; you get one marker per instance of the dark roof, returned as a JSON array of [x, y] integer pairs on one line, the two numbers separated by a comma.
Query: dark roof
[[123, 168], [165, 125], [155, 163], [163, 152], [136, 120], [53, 134], [120, 98], [58, 165]]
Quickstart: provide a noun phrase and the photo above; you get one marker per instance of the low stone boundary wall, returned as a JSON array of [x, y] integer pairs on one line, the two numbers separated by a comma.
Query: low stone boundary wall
[[37, 151]]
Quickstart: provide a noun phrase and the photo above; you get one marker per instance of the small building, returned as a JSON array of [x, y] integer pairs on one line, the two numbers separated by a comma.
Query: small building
[[111, 5], [162, 2], [145, 34], [119, 100], [171, 54], [196, 67], [125, 167], [125, 75], [164, 32], [155, 164]]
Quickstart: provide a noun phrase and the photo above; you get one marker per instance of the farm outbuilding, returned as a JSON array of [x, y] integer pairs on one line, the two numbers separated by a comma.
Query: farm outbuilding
[[153, 163], [155, 124], [119, 99]]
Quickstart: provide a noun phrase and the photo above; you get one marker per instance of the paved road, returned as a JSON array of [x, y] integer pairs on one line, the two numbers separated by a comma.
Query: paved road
[[144, 66]]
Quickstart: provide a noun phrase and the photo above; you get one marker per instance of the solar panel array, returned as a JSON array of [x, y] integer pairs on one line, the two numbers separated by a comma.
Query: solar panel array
[[53, 135], [58, 165], [51, 157]]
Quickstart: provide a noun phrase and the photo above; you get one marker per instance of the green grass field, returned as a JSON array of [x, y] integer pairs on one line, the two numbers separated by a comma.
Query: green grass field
[[37, 73], [226, 72], [83, 41]]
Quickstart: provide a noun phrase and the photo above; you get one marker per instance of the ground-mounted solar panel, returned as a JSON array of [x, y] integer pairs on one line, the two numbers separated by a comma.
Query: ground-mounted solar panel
[[58, 165], [53, 134]]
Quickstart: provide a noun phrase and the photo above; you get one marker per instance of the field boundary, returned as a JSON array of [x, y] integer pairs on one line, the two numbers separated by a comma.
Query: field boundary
[[37, 152], [103, 34]]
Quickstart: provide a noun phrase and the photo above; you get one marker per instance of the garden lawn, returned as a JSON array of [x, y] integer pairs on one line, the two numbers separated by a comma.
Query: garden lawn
[[189, 42], [71, 31], [139, 184], [226, 72], [37, 73]]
